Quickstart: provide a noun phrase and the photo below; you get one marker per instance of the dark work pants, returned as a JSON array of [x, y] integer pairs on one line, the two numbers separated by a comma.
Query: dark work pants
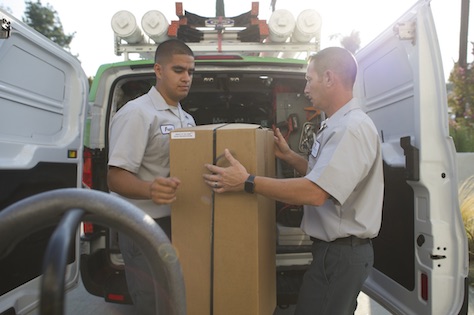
[[138, 275], [334, 279]]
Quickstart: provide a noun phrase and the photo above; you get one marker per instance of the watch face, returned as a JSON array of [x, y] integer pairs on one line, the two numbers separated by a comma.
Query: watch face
[[249, 184]]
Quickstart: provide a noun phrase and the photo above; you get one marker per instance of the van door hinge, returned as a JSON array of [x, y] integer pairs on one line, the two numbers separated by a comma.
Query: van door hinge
[[406, 30], [5, 29]]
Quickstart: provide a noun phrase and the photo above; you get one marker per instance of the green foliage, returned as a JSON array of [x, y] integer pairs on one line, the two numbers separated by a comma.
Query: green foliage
[[461, 103], [463, 136], [462, 96], [45, 20]]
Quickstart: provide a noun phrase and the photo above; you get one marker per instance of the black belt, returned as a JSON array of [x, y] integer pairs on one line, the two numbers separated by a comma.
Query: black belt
[[350, 240]]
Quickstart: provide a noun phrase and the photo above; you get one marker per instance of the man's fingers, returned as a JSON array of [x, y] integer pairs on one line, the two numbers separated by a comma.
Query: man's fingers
[[229, 157], [210, 167], [215, 170], [277, 132], [211, 178], [175, 181], [219, 170], [171, 182], [163, 195], [165, 200], [279, 135]]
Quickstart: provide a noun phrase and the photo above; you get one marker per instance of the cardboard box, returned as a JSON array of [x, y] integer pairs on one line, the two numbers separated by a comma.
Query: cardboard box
[[226, 242]]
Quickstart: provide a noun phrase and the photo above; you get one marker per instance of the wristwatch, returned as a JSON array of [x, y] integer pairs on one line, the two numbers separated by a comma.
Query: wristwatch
[[250, 184]]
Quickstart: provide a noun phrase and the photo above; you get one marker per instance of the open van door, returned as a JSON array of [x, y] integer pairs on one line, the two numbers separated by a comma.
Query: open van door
[[43, 98], [421, 253]]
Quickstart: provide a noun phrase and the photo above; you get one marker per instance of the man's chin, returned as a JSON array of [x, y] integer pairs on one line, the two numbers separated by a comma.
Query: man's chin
[[182, 95]]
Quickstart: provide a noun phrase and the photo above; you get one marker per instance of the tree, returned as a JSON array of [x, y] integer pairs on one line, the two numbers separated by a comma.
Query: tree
[[45, 20], [350, 42], [461, 104]]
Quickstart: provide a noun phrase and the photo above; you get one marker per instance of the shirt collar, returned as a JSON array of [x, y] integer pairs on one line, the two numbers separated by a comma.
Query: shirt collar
[[341, 112], [158, 101]]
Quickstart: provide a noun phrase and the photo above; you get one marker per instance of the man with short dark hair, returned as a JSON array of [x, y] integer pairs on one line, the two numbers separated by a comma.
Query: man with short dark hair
[[139, 166]]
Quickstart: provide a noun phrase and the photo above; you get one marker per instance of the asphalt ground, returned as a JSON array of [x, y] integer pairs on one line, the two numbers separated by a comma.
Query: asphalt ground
[[80, 302]]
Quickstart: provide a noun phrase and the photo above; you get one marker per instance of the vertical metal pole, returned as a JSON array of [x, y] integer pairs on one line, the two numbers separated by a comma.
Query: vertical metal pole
[[55, 263], [220, 10], [463, 34]]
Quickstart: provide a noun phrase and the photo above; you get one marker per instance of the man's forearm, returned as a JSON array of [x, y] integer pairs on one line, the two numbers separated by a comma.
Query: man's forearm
[[296, 191], [298, 162], [127, 184]]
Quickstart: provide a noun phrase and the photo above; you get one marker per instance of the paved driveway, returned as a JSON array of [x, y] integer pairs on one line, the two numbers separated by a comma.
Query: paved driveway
[[80, 302]]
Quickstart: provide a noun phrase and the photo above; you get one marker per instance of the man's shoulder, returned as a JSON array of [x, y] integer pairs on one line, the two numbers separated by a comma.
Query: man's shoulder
[[136, 109], [356, 121], [139, 103]]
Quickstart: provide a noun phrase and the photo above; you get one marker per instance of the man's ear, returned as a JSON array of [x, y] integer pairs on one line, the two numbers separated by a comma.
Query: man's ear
[[157, 69], [329, 78]]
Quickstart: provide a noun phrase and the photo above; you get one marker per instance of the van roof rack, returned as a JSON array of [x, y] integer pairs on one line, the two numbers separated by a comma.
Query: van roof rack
[[244, 34]]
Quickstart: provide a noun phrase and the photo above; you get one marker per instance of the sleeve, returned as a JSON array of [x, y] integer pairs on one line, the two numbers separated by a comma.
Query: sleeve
[[345, 161], [128, 139]]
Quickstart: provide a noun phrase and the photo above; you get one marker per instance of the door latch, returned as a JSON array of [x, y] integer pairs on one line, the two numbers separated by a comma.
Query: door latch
[[406, 31], [5, 29]]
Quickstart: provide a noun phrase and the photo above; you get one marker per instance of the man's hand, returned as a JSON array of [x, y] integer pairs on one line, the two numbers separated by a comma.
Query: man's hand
[[231, 178], [163, 190], [282, 149]]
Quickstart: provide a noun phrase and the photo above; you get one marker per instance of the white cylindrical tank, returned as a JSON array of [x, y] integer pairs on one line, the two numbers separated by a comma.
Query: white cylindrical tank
[[308, 26], [155, 25], [281, 25], [125, 26]]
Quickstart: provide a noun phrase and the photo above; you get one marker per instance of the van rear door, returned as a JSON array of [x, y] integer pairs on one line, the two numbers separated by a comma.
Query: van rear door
[[43, 98], [421, 255]]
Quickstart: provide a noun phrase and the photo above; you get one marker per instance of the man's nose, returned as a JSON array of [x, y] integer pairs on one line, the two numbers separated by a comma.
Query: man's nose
[[186, 76]]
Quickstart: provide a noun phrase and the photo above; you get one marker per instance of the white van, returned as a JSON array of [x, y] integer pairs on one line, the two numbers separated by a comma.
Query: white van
[[43, 104], [421, 254]]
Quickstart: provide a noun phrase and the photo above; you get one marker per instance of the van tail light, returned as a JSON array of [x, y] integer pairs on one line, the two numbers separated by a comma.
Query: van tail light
[[424, 286], [117, 298], [87, 168], [88, 228], [116, 290]]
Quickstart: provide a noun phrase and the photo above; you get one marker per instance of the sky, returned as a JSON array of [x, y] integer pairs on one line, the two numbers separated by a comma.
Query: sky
[[93, 41]]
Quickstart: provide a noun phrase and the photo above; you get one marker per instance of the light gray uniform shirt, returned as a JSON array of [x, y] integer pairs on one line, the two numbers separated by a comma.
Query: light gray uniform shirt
[[346, 161], [139, 141]]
